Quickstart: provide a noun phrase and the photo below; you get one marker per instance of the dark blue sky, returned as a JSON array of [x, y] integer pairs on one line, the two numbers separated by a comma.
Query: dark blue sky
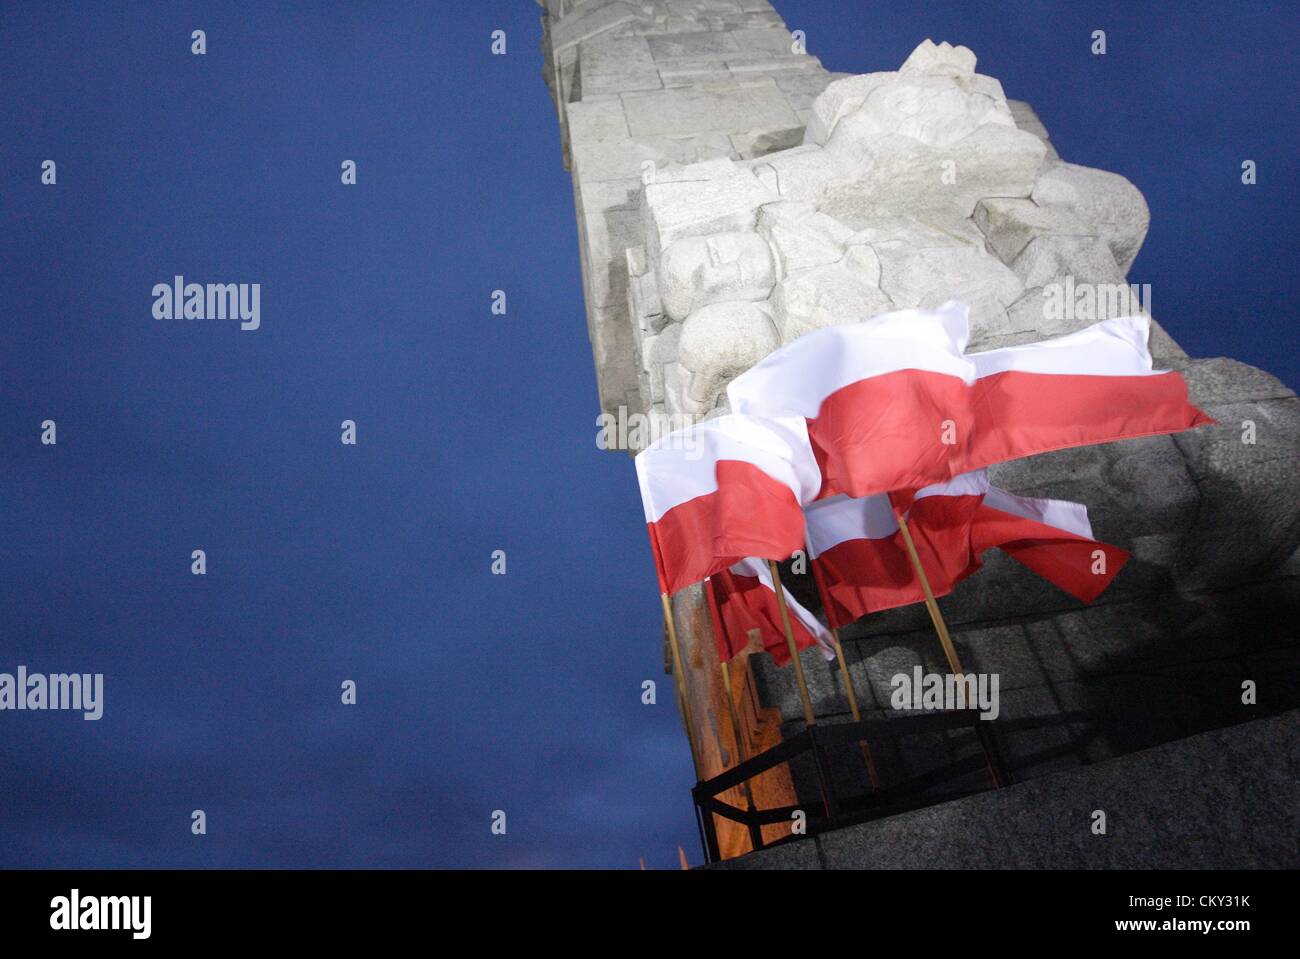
[[476, 432]]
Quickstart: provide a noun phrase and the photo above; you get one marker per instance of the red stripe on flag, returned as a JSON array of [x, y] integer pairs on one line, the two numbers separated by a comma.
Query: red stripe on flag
[[1020, 414], [1063, 558], [750, 514], [745, 603], [863, 576], [891, 432], [951, 534]]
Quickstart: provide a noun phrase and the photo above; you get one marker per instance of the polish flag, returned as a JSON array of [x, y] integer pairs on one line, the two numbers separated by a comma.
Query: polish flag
[[861, 563], [742, 599], [895, 403], [1052, 537], [723, 490]]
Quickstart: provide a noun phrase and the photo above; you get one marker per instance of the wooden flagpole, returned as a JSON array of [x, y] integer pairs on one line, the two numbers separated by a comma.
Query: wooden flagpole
[[853, 708], [679, 677], [849, 691], [941, 628], [809, 718], [719, 630], [735, 730]]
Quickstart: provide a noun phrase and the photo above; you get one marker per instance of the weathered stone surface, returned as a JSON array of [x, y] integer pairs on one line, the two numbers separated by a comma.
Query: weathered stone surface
[[626, 159], [615, 55], [589, 21], [923, 231], [699, 207], [611, 345], [838, 100], [597, 120], [1220, 799], [757, 143], [749, 64], [1050, 259], [1027, 120], [841, 292], [1105, 200], [899, 174], [720, 341], [608, 234], [769, 39], [740, 106], [1246, 523], [801, 237], [696, 44], [930, 277], [697, 271], [690, 71], [941, 58], [1009, 224], [802, 174]]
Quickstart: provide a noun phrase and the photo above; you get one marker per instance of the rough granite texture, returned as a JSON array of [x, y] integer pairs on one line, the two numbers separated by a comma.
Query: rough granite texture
[[732, 195], [1227, 799]]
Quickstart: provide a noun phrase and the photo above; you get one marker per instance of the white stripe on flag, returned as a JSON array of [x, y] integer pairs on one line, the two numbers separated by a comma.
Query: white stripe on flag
[[682, 465], [838, 519], [750, 566], [798, 377], [1115, 347], [1057, 513]]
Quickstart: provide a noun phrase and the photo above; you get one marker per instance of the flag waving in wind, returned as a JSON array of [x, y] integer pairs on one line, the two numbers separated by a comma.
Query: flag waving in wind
[[895, 403], [723, 490], [742, 599], [862, 565]]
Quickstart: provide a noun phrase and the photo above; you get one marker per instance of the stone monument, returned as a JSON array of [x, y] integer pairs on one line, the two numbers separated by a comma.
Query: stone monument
[[732, 195]]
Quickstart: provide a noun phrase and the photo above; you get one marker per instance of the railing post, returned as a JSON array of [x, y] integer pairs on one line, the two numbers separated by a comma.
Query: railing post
[[755, 832], [708, 829], [699, 824], [824, 779]]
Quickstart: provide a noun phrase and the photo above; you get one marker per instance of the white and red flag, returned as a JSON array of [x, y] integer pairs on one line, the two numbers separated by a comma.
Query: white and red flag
[[741, 600], [862, 565], [895, 403], [723, 490]]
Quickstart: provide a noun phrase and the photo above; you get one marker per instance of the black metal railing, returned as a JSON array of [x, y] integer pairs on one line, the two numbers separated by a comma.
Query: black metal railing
[[832, 810]]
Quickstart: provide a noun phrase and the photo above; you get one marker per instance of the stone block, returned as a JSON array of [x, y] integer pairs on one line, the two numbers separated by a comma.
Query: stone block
[[699, 270], [768, 39], [749, 64], [897, 174], [1247, 521], [1107, 201], [596, 120], [829, 295], [609, 234], [1009, 224], [586, 22], [697, 208], [626, 159], [761, 142], [698, 44], [931, 277], [721, 341], [1087, 259], [803, 238], [734, 107]]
